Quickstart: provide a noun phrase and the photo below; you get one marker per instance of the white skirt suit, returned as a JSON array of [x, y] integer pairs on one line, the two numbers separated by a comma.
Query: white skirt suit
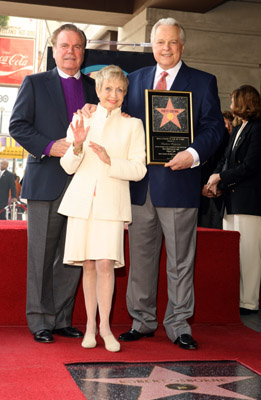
[[97, 201]]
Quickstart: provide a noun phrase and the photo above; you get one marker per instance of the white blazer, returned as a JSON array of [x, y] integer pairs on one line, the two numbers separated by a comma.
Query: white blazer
[[124, 141]]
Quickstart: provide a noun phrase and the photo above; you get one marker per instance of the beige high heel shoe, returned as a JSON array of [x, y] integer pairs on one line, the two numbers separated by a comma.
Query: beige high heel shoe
[[89, 341], [111, 344]]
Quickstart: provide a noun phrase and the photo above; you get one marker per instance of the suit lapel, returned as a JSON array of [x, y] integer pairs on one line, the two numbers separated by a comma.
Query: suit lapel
[[239, 142], [180, 83], [145, 83], [182, 79], [242, 136], [53, 85], [232, 139], [148, 80], [86, 89]]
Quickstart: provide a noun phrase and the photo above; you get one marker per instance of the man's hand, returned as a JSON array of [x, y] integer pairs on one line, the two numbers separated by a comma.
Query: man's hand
[[125, 115], [182, 160], [88, 109], [208, 193], [59, 148]]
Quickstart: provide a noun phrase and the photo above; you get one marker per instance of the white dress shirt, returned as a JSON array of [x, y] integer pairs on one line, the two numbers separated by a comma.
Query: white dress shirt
[[65, 76]]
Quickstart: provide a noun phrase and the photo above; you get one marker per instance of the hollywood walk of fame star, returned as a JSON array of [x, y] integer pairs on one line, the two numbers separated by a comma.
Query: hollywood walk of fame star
[[170, 114], [163, 382]]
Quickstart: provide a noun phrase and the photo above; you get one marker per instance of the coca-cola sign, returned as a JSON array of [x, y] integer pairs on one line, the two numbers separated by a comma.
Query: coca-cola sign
[[16, 60]]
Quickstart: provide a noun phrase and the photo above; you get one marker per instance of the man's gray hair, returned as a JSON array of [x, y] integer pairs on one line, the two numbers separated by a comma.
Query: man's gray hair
[[69, 27], [168, 22]]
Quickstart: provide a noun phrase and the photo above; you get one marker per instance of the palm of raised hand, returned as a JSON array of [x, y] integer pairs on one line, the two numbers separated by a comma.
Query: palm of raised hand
[[79, 131]]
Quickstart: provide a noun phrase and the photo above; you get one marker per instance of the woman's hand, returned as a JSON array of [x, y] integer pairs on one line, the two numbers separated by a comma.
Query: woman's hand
[[101, 152], [79, 132], [213, 182]]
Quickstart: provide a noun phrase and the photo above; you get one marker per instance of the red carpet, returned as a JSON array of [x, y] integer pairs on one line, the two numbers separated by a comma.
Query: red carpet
[[30, 370], [216, 279]]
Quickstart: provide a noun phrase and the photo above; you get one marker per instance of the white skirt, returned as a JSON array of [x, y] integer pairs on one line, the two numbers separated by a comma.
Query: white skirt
[[94, 239]]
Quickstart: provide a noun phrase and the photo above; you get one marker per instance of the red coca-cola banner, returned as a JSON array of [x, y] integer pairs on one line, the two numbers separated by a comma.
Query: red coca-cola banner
[[16, 60]]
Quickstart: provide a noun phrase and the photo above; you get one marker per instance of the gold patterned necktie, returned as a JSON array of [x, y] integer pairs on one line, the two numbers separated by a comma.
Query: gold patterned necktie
[[162, 83]]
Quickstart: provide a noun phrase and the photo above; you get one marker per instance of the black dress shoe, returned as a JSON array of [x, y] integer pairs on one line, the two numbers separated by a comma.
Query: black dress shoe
[[187, 342], [69, 331], [246, 311], [43, 336], [133, 335]]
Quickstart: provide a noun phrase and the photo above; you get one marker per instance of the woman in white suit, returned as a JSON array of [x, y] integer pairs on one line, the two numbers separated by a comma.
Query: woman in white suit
[[107, 152]]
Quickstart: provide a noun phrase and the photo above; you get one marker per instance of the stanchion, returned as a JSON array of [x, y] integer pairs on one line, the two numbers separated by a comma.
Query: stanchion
[[15, 211]]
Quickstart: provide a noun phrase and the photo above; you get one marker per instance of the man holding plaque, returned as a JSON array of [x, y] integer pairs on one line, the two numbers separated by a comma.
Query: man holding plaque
[[166, 201]]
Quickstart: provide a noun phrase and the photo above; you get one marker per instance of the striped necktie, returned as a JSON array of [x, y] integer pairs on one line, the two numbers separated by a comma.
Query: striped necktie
[[162, 83]]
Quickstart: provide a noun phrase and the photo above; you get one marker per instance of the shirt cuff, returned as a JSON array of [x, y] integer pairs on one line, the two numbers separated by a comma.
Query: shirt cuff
[[196, 160], [47, 150]]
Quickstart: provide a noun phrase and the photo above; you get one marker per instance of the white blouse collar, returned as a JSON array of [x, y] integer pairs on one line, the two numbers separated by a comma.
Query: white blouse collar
[[104, 112]]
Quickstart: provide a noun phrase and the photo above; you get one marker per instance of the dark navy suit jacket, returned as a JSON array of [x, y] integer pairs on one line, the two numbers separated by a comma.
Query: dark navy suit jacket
[[40, 116], [7, 182], [178, 188]]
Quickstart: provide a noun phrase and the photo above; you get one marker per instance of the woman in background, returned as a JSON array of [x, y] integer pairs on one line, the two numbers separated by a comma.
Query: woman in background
[[107, 152], [238, 174]]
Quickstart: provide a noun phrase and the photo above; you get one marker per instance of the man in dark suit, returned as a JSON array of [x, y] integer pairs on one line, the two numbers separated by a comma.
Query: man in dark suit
[[166, 201], [7, 183], [40, 118]]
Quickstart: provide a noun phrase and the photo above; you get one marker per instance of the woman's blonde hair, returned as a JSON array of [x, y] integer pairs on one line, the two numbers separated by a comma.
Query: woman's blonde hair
[[109, 73]]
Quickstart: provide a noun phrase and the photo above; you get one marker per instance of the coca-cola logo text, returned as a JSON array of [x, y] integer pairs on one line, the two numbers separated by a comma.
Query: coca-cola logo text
[[16, 59]]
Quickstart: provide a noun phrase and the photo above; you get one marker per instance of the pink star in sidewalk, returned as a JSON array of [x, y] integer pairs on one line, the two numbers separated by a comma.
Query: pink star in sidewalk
[[163, 382], [170, 114]]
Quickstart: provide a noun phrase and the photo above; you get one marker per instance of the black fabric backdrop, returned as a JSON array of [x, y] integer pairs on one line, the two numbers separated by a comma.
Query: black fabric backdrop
[[94, 60]]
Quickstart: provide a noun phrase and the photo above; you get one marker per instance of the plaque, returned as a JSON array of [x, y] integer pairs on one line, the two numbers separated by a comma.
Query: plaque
[[169, 124]]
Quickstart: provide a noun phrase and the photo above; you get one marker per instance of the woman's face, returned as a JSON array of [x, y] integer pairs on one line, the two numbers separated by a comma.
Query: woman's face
[[228, 125], [111, 94]]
